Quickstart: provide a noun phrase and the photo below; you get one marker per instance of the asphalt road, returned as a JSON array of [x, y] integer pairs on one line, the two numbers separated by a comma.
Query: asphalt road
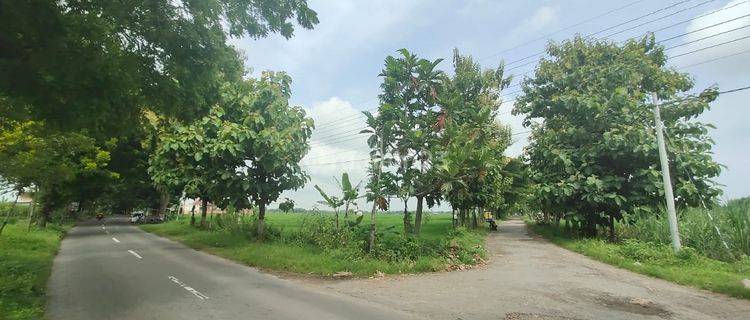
[[113, 270]]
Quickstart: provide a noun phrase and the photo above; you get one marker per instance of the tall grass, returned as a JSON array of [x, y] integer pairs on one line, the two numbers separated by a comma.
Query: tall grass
[[699, 231], [311, 243]]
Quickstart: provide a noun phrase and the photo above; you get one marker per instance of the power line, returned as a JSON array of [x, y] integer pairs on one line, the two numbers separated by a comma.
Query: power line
[[703, 28], [592, 34], [330, 124], [707, 37], [618, 25], [506, 95], [658, 19], [330, 163], [715, 59], [709, 47], [688, 98], [668, 27], [560, 30]]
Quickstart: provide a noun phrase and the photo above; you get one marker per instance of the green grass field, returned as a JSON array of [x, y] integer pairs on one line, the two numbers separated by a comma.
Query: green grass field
[[657, 260], [283, 256], [25, 265]]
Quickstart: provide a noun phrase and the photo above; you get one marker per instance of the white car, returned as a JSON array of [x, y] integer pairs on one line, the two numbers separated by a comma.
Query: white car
[[137, 217]]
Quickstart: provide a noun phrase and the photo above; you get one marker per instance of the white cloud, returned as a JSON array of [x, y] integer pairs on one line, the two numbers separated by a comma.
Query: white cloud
[[336, 147], [344, 27], [542, 17], [704, 28]]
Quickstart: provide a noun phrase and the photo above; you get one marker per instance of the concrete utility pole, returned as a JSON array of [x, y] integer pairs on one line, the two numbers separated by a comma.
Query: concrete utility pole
[[668, 194]]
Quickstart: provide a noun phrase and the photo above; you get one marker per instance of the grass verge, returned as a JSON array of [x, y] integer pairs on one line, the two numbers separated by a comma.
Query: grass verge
[[307, 259], [657, 260], [25, 265]]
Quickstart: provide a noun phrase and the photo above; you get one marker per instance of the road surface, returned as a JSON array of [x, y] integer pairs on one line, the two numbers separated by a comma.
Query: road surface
[[113, 270], [530, 278], [120, 272]]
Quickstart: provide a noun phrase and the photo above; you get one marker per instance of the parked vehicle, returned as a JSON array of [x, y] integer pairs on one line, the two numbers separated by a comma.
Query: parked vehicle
[[137, 217]]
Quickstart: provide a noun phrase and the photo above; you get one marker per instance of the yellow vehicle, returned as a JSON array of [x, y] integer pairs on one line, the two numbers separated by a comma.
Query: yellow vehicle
[[490, 220]]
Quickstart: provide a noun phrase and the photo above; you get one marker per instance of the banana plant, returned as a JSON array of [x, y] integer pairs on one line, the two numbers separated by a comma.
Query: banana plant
[[350, 193], [334, 202]]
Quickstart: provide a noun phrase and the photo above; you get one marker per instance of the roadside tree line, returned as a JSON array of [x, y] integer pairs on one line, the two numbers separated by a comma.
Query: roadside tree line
[[122, 105], [592, 155]]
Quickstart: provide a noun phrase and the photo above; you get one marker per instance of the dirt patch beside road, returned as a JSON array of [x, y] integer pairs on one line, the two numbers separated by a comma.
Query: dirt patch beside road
[[530, 278]]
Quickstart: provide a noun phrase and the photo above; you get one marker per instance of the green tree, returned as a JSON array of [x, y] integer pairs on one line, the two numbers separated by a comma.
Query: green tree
[[593, 151], [271, 138], [287, 205], [97, 64], [409, 100], [196, 158], [59, 165], [471, 159]]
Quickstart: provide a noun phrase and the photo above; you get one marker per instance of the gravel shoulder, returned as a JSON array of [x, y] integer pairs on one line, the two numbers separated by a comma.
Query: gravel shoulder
[[531, 278]]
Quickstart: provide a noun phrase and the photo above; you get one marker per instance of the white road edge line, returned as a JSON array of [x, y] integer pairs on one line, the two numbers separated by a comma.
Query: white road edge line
[[189, 289], [115, 239], [135, 254]]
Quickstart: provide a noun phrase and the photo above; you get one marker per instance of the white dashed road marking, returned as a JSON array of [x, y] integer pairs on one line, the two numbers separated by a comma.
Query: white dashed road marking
[[189, 289], [115, 239], [135, 254]]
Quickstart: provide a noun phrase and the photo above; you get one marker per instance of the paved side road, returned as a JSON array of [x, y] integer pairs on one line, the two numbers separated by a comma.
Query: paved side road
[[530, 278], [113, 270]]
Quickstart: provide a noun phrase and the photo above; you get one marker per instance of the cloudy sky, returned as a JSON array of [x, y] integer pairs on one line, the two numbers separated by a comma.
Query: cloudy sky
[[335, 66]]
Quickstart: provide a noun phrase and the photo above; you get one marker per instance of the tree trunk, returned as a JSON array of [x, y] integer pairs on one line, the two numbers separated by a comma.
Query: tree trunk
[[454, 217], [46, 212], [204, 207], [346, 211], [612, 227], [262, 221], [192, 215], [407, 221], [474, 223], [31, 214], [371, 243], [589, 228], [418, 216], [336, 213], [7, 215], [163, 202], [461, 217]]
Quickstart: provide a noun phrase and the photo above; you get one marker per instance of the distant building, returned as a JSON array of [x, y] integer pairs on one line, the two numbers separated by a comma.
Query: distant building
[[25, 198], [187, 205]]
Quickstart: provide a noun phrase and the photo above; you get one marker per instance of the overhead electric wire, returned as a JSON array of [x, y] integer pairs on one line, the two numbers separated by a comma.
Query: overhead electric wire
[[329, 126], [706, 37], [595, 33], [619, 25], [709, 47], [715, 59], [674, 25], [331, 123], [547, 36], [508, 94], [665, 104]]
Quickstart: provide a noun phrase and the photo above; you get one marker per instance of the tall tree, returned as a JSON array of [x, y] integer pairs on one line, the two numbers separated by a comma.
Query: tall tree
[[471, 159], [409, 102], [60, 166], [272, 138], [593, 151]]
